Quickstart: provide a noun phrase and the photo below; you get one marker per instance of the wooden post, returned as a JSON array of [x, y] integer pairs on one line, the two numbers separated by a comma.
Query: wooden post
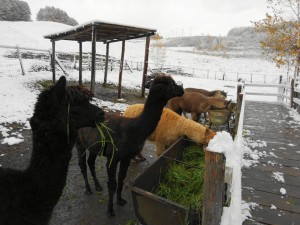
[[214, 188], [106, 64], [80, 63], [292, 93], [239, 102], [93, 69], [53, 62], [20, 60], [145, 65], [121, 70]]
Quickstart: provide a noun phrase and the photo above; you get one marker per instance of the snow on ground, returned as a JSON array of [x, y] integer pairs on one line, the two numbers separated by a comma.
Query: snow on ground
[[18, 93]]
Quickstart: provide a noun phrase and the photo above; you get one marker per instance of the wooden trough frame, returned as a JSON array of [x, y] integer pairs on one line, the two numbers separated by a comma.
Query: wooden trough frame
[[99, 31], [151, 209]]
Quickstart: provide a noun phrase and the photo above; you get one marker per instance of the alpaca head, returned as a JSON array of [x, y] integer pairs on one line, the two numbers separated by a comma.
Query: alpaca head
[[165, 87], [229, 106], [220, 94], [71, 104], [209, 134]]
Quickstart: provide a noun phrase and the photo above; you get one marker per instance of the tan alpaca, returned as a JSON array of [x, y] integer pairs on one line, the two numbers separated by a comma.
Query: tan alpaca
[[196, 103], [172, 126]]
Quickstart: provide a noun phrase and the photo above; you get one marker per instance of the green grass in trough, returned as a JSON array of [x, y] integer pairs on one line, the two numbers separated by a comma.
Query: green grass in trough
[[183, 182]]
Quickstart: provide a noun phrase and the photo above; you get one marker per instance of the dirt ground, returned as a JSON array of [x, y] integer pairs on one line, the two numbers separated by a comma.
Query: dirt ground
[[75, 206]]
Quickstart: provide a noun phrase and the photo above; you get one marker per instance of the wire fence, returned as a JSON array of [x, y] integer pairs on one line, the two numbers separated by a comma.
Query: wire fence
[[69, 61]]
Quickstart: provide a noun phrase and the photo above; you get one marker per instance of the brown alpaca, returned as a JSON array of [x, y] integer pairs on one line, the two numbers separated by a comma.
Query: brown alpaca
[[215, 93], [196, 103], [170, 127]]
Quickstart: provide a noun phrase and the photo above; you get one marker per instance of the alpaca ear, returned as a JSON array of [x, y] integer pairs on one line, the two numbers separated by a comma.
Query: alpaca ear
[[60, 87], [228, 102]]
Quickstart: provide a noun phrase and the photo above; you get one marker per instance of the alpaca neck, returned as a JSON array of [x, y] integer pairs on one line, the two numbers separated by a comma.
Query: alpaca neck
[[48, 168], [151, 114], [193, 130]]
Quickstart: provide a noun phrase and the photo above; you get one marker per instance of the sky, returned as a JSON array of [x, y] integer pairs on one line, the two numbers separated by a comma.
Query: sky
[[170, 17]]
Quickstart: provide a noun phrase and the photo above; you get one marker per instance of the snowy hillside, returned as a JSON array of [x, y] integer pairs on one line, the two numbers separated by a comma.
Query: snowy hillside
[[30, 35]]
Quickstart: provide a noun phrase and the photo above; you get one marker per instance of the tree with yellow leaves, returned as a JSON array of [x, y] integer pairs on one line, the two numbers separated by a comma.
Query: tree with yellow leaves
[[158, 51], [281, 29]]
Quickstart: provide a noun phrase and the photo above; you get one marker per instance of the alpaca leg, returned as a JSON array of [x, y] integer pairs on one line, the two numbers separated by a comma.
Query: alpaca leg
[[111, 167], [83, 168], [91, 163], [122, 175], [195, 117]]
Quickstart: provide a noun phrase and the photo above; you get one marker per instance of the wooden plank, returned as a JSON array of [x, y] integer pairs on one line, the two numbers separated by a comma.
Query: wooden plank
[[297, 89], [106, 64], [80, 63], [93, 67], [145, 65], [272, 186], [296, 100], [286, 170], [266, 175], [121, 70], [274, 137], [265, 85], [20, 60], [270, 159], [266, 215], [53, 61], [264, 94], [272, 124], [267, 199]]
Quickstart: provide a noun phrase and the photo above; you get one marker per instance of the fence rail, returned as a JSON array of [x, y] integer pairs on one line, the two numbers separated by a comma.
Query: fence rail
[[172, 69], [285, 93]]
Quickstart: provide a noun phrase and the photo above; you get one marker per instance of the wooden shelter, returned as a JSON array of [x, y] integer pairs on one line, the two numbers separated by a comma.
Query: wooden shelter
[[99, 31]]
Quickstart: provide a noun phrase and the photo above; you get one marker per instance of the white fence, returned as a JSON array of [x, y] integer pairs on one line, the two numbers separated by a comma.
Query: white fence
[[288, 94]]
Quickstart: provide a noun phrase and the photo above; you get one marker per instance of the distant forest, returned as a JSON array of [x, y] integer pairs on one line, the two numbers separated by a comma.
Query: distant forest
[[236, 39]]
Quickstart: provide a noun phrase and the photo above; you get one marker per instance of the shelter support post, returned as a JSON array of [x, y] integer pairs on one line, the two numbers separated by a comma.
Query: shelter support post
[[145, 65], [53, 61], [93, 69], [106, 64], [121, 70], [80, 63]]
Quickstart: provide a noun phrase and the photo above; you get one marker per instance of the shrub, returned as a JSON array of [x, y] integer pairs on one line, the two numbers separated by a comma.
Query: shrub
[[55, 15], [14, 10]]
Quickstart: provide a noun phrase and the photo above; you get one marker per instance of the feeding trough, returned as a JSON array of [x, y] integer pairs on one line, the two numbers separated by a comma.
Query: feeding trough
[[152, 209], [218, 117]]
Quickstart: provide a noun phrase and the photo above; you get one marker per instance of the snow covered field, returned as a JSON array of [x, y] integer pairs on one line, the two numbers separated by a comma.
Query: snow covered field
[[18, 94]]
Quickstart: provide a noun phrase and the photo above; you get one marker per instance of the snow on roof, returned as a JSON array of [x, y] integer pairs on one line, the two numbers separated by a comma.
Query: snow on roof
[[130, 31]]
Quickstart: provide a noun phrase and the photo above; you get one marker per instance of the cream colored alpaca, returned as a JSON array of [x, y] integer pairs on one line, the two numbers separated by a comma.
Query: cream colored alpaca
[[172, 126]]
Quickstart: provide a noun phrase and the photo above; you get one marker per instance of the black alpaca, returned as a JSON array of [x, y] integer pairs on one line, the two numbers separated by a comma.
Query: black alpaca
[[29, 196], [129, 135]]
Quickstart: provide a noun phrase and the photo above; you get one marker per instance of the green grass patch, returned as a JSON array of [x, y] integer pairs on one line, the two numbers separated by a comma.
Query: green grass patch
[[183, 182]]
